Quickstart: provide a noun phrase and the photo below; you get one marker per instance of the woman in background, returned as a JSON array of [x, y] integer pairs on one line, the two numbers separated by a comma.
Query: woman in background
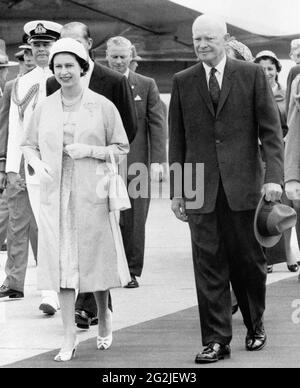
[[282, 252]]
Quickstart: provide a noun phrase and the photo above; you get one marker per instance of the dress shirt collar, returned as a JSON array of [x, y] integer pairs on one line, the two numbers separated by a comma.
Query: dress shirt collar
[[220, 70], [127, 73]]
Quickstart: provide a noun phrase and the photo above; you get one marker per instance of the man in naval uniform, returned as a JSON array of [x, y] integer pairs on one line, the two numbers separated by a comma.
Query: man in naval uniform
[[22, 189]]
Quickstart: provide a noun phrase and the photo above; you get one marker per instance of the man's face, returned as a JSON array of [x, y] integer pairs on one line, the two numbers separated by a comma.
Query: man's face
[[295, 55], [40, 52], [28, 60], [3, 75], [78, 34], [209, 43], [119, 58]]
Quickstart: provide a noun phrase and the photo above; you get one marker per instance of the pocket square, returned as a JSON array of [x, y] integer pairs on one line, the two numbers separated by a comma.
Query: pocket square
[[137, 98]]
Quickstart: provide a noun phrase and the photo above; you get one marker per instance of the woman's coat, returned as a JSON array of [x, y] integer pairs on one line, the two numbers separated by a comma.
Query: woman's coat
[[99, 125]]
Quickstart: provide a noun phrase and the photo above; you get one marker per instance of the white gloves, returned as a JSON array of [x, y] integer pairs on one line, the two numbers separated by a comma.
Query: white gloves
[[292, 190], [78, 150], [42, 170]]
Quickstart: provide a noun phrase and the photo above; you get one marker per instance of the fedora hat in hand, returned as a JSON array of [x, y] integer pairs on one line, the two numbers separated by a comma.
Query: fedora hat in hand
[[271, 220]]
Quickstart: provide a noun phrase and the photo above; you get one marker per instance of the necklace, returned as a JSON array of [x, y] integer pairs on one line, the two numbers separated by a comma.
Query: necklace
[[73, 102]]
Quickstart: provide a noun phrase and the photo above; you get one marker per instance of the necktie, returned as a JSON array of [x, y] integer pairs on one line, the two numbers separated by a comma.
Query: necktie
[[214, 88]]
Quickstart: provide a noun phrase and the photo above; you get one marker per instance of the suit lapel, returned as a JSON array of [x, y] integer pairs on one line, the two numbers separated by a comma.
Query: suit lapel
[[133, 83], [97, 79], [201, 82], [226, 84]]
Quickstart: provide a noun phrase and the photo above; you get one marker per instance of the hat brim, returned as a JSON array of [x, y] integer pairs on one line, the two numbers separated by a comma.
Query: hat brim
[[265, 241], [9, 64]]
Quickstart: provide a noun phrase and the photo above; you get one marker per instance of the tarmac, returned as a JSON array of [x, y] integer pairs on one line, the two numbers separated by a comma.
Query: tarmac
[[156, 325]]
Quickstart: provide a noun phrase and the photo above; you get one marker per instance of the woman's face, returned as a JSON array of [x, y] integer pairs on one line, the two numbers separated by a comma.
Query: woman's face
[[67, 70], [270, 70]]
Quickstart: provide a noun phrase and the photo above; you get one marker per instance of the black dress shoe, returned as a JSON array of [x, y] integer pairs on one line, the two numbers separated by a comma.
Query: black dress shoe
[[4, 247], [213, 353], [12, 294], [133, 283], [293, 267], [234, 309], [82, 319], [257, 341]]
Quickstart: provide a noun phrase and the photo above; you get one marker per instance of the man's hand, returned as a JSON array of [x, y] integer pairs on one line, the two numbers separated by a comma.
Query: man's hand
[[15, 179], [272, 192], [78, 150], [3, 180], [157, 172], [292, 190], [178, 207]]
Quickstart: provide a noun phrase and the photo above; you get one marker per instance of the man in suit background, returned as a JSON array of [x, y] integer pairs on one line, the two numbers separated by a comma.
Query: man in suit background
[[115, 87], [219, 109], [295, 56], [148, 149]]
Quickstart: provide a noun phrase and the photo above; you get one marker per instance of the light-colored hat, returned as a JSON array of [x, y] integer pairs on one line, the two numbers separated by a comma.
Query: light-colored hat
[[42, 30], [241, 49], [4, 62], [271, 220], [295, 43], [68, 45], [268, 54], [135, 56]]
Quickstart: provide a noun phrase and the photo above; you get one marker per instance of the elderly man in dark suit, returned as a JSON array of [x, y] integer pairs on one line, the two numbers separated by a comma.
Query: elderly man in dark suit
[[115, 87], [219, 109], [148, 150]]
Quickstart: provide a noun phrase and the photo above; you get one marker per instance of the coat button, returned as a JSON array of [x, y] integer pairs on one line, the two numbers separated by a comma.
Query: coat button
[[218, 142]]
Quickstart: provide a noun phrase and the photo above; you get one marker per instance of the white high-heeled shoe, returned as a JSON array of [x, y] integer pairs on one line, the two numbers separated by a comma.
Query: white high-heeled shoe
[[104, 343], [68, 355]]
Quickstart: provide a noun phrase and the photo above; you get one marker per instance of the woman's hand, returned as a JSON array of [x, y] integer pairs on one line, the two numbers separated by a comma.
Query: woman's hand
[[78, 150], [42, 170]]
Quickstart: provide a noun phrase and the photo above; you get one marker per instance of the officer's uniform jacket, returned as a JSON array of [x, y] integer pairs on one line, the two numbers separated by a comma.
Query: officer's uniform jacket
[[28, 91]]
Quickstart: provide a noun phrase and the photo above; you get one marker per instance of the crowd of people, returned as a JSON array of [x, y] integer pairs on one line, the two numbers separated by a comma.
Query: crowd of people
[[65, 118]]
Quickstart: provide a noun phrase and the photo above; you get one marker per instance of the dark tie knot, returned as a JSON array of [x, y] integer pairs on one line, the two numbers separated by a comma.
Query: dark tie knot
[[213, 71]]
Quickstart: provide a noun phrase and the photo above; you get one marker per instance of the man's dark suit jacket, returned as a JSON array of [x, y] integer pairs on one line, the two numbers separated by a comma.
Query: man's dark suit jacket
[[292, 75], [114, 87], [149, 145], [227, 142]]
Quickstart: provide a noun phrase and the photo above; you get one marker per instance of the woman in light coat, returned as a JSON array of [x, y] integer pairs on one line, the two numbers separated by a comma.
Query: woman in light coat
[[281, 252], [66, 145]]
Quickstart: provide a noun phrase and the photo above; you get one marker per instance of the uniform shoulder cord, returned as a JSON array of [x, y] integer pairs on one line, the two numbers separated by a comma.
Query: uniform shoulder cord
[[33, 92]]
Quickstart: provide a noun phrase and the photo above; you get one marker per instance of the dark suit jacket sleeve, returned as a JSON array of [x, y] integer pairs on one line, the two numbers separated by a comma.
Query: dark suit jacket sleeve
[[4, 118], [52, 86], [176, 141], [123, 99], [288, 90], [270, 132], [156, 119]]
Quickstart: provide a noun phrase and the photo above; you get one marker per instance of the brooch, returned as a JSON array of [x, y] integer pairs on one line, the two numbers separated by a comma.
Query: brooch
[[91, 107]]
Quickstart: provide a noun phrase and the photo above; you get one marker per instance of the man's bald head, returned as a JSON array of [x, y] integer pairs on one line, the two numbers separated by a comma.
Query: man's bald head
[[209, 36], [211, 21]]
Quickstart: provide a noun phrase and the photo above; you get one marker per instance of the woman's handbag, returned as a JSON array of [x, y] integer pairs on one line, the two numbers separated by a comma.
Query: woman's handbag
[[122, 264], [118, 199]]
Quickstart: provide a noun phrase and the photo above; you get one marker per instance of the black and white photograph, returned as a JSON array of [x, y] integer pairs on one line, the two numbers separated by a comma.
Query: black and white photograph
[[149, 187]]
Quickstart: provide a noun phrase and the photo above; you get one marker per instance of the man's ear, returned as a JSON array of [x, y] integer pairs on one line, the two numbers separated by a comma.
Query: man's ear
[[227, 37], [90, 43]]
